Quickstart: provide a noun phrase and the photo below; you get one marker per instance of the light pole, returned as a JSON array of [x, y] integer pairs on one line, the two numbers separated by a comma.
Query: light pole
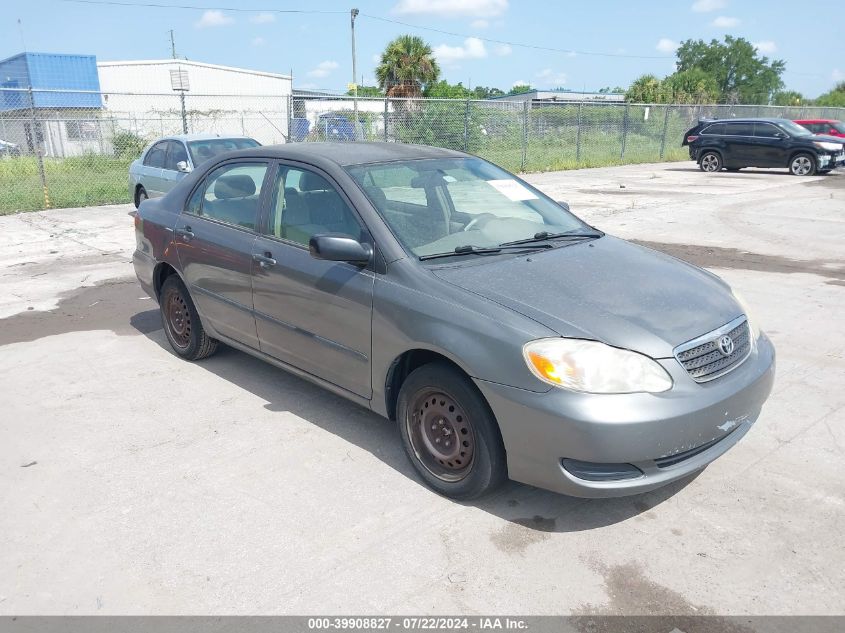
[[353, 15]]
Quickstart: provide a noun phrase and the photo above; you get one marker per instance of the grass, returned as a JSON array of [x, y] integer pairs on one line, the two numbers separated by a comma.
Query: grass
[[71, 182], [94, 179]]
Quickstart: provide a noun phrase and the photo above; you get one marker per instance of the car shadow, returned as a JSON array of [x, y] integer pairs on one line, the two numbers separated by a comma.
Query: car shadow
[[520, 504]]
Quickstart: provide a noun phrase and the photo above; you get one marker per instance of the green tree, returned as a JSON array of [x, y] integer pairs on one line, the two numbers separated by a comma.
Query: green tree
[[367, 91], [645, 89], [407, 65], [834, 98], [444, 90], [741, 75], [787, 98], [482, 92], [609, 90], [690, 86], [519, 89]]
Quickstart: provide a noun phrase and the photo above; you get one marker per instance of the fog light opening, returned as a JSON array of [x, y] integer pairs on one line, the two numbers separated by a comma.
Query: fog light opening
[[592, 471]]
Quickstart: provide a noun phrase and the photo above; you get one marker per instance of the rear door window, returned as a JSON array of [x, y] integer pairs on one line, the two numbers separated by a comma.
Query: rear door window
[[157, 155], [739, 129], [231, 194]]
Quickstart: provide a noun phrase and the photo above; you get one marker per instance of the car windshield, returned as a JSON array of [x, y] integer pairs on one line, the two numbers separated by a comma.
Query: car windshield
[[203, 150], [434, 206], [839, 126], [793, 129]]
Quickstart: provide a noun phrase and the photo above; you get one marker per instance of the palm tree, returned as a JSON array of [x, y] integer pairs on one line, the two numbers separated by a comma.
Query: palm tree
[[407, 65]]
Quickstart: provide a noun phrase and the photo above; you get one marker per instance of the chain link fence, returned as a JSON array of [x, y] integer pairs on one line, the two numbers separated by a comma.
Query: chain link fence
[[68, 149]]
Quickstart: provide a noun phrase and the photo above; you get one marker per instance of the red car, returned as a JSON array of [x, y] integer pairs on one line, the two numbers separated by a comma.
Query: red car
[[829, 127]]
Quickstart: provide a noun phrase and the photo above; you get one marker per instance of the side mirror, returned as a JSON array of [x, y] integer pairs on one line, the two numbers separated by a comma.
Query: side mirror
[[780, 135], [336, 247], [183, 166]]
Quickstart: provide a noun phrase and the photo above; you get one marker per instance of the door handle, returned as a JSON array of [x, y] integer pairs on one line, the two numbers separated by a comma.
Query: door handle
[[265, 261], [185, 233]]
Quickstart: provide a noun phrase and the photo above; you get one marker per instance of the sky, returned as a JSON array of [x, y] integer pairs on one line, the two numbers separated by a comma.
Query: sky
[[477, 42]]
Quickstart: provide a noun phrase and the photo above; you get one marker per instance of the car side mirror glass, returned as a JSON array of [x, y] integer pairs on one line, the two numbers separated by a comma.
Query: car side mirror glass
[[336, 247], [780, 135], [183, 166]]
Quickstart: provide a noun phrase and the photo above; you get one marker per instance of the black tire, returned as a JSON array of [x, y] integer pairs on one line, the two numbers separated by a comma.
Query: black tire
[[733, 168], [140, 196], [474, 463], [802, 164], [823, 172], [181, 322], [710, 162]]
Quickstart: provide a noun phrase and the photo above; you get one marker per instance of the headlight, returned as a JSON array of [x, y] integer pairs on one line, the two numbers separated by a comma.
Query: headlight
[[752, 322], [593, 367], [830, 147]]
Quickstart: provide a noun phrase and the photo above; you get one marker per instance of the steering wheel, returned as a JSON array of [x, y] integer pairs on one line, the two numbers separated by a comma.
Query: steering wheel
[[480, 221]]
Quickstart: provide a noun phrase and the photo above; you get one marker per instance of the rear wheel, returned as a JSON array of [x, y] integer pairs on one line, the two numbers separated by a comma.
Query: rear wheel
[[182, 324], [710, 162], [140, 196], [449, 433], [802, 165]]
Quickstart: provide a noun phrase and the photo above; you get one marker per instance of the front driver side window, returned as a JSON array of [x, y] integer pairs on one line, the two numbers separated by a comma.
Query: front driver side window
[[230, 194], [306, 204]]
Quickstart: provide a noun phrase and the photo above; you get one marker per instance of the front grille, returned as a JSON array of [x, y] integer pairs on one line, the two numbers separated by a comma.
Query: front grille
[[705, 359], [677, 458]]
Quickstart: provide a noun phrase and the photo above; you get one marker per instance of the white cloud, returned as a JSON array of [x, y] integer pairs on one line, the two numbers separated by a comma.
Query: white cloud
[[262, 18], [258, 41], [213, 17], [725, 22], [323, 69], [473, 48], [452, 8], [376, 58], [837, 75], [503, 50], [551, 78], [479, 24], [520, 82], [705, 6], [571, 54], [665, 45], [767, 47]]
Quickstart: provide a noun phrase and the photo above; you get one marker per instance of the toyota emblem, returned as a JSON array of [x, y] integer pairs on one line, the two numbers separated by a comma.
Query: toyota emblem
[[726, 345]]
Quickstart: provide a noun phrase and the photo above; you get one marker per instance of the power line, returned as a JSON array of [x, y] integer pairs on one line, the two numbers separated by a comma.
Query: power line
[[128, 3], [155, 5], [510, 43]]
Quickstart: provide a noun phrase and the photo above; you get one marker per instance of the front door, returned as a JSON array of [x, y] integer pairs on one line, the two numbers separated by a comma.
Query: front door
[[215, 236], [771, 145], [313, 314]]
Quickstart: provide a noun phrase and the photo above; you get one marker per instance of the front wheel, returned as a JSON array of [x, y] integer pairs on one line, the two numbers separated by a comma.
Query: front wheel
[[449, 433], [181, 321], [802, 165], [710, 162]]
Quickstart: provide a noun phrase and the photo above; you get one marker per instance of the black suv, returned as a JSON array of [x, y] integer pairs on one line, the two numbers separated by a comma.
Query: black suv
[[736, 143]]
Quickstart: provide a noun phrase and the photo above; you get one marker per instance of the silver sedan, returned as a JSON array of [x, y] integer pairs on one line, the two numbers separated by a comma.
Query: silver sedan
[[165, 162]]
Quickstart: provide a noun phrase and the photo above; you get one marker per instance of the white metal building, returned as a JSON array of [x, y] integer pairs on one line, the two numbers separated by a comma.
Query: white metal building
[[563, 95], [145, 97]]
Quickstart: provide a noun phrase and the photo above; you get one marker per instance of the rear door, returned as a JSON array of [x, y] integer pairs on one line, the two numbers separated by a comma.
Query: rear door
[[151, 168], [310, 313], [771, 146], [740, 148], [215, 235]]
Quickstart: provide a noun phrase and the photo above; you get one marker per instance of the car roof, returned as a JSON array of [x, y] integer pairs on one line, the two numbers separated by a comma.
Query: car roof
[[747, 120], [816, 120], [349, 153], [200, 137]]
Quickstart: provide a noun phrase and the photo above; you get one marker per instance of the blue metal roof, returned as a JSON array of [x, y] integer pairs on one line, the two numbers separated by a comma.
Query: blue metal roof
[[49, 75]]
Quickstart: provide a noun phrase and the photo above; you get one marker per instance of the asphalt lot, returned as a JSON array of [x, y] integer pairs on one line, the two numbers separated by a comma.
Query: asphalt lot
[[135, 483]]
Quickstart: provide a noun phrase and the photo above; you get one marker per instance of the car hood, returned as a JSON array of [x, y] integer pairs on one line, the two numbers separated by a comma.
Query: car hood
[[607, 289], [828, 138]]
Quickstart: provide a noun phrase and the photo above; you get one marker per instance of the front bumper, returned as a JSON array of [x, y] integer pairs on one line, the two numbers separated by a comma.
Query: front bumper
[[665, 436], [830, 160]]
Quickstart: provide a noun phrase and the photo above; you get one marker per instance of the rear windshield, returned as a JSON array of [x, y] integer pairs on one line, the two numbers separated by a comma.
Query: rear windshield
[[202, 151]]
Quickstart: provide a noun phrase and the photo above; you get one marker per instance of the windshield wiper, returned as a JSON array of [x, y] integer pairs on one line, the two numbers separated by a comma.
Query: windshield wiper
[[469, 249], [546, 235]]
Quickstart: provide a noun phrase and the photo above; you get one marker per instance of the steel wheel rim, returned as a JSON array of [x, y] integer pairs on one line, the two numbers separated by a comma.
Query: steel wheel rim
[[710, 162], [441, 435], [801, 166], [178, 318]]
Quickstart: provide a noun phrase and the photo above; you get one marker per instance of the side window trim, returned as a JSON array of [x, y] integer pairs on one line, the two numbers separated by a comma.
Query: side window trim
[[151, 150], [202, 185], [264, 228]]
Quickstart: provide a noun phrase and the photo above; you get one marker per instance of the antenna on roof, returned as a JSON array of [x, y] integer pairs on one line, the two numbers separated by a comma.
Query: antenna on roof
[[20, 31]]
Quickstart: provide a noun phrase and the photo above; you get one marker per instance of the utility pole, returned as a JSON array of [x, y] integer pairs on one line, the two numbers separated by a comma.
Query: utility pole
[[353, 15], [181, 92]]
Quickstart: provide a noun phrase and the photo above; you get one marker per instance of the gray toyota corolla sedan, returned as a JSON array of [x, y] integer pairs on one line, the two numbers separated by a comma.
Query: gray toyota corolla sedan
[[506, 337]]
